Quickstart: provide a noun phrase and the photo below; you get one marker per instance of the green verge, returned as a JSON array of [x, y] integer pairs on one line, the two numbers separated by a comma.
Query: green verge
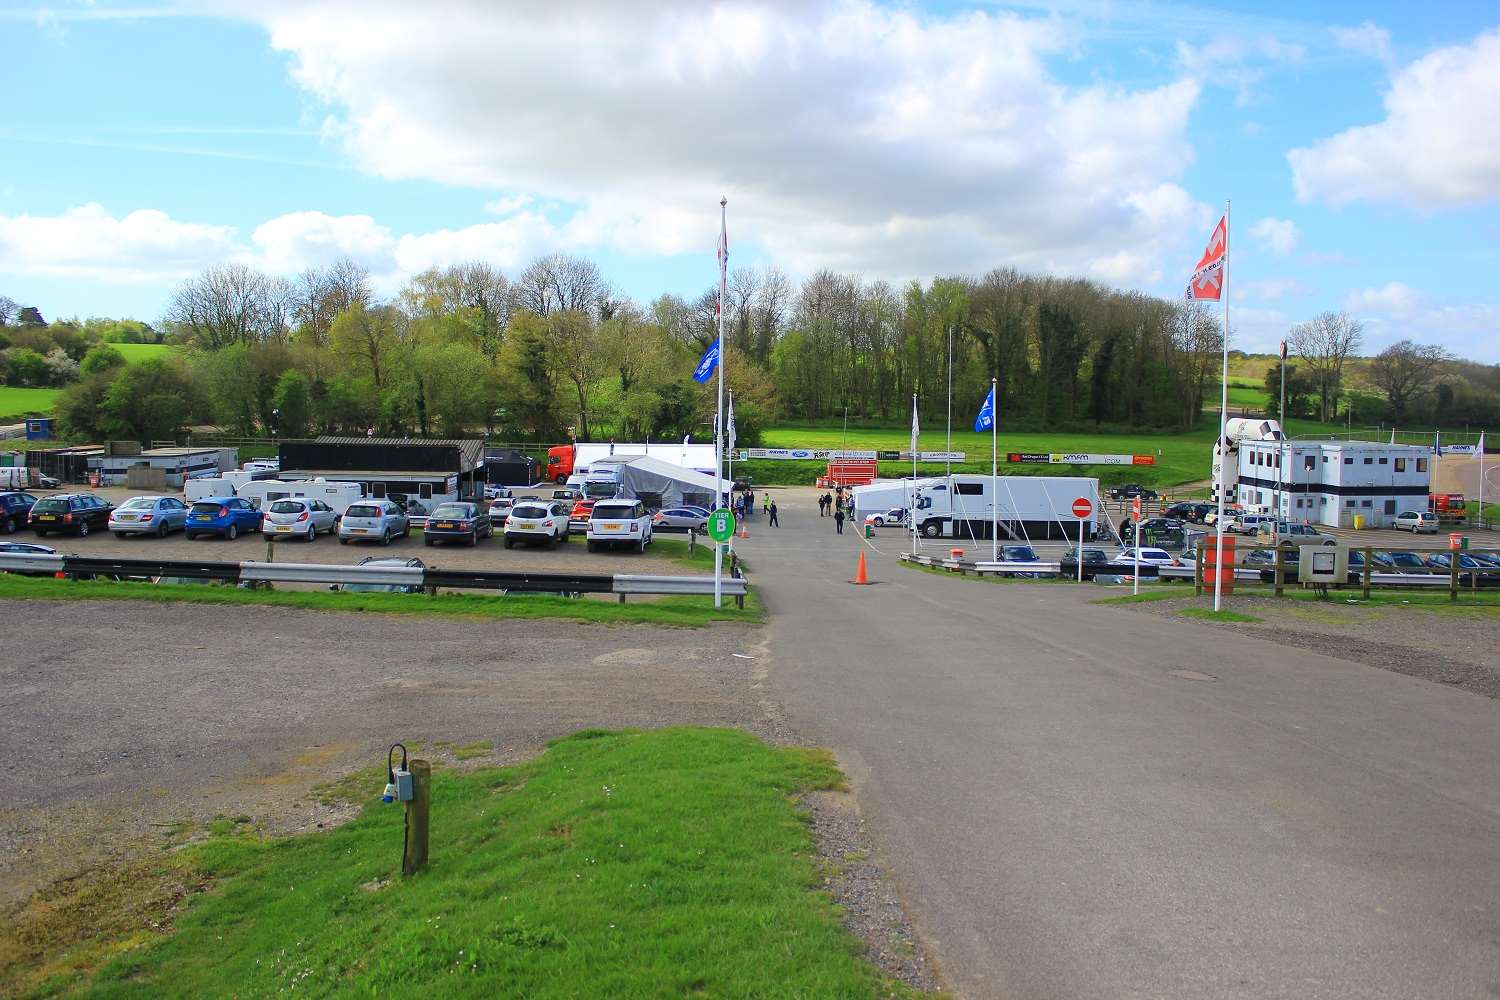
[[683, 611], [1144, 598], [673, 862]]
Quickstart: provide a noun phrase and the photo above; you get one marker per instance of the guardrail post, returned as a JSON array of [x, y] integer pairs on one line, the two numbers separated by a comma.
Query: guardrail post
[[1369, 570], [622, 598], [1280, 569]]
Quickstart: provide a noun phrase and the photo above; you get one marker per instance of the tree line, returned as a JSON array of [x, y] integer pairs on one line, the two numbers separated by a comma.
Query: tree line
[[555, 349]]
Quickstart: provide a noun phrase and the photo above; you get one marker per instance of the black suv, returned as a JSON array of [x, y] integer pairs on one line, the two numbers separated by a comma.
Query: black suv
[[71, 513], [1130, 491], [14, 509]]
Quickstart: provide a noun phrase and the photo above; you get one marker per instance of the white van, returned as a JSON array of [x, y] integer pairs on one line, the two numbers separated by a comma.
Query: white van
[[619, 522]]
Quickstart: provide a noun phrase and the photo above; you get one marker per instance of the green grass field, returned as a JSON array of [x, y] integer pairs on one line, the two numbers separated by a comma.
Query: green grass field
[[18, 403], [144, 352], [671, 862], [678, 611]]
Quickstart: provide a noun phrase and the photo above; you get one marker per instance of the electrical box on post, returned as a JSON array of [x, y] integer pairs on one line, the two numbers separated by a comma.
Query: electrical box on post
[[1323, 564], [403, 786]]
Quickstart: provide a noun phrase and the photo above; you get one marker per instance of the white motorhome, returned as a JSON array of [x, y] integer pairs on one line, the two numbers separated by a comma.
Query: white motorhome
[[1025, 508], [339, 496]]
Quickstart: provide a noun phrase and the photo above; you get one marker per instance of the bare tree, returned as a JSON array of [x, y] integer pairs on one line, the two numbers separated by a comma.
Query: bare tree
[[558, 282], [230, 304], [1325, 343], [369, 337], [320, 293], [1405, 371], [771, 306], [485, 289], [9, 310], [674, 316]]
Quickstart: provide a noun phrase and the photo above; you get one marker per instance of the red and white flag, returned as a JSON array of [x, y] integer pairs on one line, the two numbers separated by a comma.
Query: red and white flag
[[1283, 350], [1208, 276]]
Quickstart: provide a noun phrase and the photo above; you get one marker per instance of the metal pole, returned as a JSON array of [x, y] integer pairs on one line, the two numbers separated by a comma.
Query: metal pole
[[1223, 423], [731, 448], [912, 514], [719, 423], [995, 474], [1080, 550], [950, 409], [1135, 586], [1281, 415]]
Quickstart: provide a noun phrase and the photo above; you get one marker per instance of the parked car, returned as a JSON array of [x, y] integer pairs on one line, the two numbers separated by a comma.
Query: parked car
[[616, 522], [578, 517], [15, 511], [373, 520], [1199, 512], [1092, 558], [413, 507], [1489, 559], [70, 513], [542, 522], [1180, 510], [27, 549], [565, 494], [1021, 554], [1161, 529], [1149, 557], [1295, 533], [382, 588], [1129, 492], [497, 492], [680, 519], [896, 515], [1418, 522], [500, 509], [148, 516], [1248, 524], [1407, 562], [457, 520], [223, 517], [1443, 562], [1266, 558], [297, 517]]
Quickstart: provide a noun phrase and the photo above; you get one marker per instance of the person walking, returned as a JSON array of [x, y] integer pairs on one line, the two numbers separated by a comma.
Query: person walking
[[771, 509], [765, 503], [838, 520]]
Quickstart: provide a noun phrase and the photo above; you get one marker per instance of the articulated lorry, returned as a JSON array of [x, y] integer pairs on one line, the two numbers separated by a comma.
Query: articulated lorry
[[567, 460]]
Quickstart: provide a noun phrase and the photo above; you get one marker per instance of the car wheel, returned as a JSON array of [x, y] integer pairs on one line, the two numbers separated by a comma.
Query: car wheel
[[427, 541], [120, 534], [508, 542], [161, 530], [83, 529], [233, 532], [1331, 542], [8, 526], [593, 546], [312, 532], [474, 539]]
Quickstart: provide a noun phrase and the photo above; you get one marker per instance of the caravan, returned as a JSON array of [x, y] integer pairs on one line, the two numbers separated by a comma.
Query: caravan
[[262, 492]]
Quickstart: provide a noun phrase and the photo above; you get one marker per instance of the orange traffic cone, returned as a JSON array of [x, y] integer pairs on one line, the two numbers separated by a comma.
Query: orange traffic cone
[[860, 575], [744, 530]]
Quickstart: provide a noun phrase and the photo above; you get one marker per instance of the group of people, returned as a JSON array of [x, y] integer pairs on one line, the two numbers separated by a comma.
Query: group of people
[[838, 505], [745, 506]]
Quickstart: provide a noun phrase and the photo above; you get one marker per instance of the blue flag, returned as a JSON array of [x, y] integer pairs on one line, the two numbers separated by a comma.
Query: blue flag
[[707, 363], [986, 418]]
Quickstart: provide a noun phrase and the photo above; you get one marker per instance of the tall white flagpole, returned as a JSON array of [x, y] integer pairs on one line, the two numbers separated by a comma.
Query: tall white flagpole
[[1481, 480], [994, 474], [912, 516], [1223, 424], [719, 423], [729, 440]]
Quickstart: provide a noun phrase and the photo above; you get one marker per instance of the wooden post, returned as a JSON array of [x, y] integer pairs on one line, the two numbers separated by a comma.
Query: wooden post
[[270, 551], [1453, 575], [417, 813], [622, 598], [1280, 569], [1198, 572], [1369, 569], [692, 541]]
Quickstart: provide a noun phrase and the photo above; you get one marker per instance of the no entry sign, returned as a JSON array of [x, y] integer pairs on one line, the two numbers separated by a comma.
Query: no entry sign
[[1082, 508]]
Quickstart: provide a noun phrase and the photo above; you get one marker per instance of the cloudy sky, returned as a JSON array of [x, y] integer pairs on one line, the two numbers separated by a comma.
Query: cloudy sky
[[1360, 144]]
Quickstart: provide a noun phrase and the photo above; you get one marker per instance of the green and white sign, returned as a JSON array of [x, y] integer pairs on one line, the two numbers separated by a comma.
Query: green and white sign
[[721, 526]]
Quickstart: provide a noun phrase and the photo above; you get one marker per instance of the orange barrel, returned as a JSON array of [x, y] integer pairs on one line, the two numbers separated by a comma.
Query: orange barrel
[[1210, 566]]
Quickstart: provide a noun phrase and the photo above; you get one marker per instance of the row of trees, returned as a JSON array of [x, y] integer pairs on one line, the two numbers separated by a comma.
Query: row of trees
[[555, 348]]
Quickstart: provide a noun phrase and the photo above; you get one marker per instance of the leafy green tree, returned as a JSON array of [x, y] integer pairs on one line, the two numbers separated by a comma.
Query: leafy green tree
[[78, 407], [25, 367], [525, 382], [292, 404], [61, 369], [148, 401], [101, 359]]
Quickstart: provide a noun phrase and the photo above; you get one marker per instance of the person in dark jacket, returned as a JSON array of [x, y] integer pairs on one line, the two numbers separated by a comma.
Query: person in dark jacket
[[838, 519], [772, 510]]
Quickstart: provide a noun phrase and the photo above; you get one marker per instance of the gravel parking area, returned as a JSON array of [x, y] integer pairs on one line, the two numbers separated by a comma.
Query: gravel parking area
[[1457, 649]]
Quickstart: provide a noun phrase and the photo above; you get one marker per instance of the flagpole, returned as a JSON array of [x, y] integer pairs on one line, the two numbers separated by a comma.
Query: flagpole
[[994, 474], [1281, 414], [1481, 480], [719, 423], [912, 516], [1223, 426], [730, 442]]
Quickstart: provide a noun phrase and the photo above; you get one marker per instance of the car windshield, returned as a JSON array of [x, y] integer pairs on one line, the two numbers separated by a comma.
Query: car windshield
[[362, 510], [529, 510], [286, 507], [206, 508], [139, 503], [599, 489], [450, 510], [43, 506]]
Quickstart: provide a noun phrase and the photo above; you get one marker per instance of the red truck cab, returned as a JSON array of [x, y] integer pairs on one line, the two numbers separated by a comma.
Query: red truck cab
[[560, 463]]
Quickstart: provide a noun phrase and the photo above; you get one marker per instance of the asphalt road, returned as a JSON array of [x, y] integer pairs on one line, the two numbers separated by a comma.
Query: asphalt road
[[1084, 801]]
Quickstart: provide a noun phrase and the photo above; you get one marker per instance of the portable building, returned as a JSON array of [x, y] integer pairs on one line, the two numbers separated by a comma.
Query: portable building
[[156, 468], [510, 467], [1334, 482], [431, 470]]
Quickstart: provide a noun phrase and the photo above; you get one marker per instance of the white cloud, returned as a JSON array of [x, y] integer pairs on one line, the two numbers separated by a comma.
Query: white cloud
[[87, 242], [1439, 144], [1257, 331], [298, 240], [1367, 40], [1398, 312], [1237, 61], [1280, 236], [845, 134]]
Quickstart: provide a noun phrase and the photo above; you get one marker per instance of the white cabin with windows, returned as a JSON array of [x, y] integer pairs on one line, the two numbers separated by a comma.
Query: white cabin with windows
[[1333, 482]]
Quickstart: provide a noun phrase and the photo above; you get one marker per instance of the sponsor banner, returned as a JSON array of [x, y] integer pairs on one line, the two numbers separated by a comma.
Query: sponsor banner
[[1460, 449], [938, 456], [806, 454], [1076, 458], [1142, 459], [1028, 457]]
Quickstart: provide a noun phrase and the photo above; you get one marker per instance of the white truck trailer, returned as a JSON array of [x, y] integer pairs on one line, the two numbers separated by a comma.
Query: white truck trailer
[[1025, 508]]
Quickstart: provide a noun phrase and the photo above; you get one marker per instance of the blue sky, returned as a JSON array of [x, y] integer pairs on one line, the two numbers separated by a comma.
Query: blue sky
[[1360, 144]]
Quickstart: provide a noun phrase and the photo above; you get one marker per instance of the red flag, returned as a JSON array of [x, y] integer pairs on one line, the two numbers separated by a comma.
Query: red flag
[[1208, 276]]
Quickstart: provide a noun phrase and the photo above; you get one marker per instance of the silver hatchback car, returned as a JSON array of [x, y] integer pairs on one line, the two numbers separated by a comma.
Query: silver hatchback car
[[373, 521], [295, 517]]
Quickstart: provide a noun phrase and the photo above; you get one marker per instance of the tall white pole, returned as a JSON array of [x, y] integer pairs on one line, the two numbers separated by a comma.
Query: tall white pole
[[1223, 423], [950, 408], [719, 423], [1281, 416], [995, 473], [1481, 480], [728, 442], [912, 516], [1080, 551]]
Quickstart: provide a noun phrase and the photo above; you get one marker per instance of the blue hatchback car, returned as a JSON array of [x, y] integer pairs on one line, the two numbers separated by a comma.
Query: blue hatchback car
[[225, 517]]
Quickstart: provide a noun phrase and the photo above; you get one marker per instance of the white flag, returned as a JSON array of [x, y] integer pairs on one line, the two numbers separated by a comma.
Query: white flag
[[1393, 435], [1481, 443], [914, 429], [730, 442]]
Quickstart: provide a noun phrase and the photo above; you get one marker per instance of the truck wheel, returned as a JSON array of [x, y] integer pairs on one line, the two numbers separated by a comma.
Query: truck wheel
[[932, 529], [233, 532]]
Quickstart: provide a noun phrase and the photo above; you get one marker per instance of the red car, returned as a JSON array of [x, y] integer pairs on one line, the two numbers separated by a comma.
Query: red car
[[578, 518]]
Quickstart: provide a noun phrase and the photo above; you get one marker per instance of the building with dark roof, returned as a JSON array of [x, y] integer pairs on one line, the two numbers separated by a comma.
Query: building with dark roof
[[427, 469]]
